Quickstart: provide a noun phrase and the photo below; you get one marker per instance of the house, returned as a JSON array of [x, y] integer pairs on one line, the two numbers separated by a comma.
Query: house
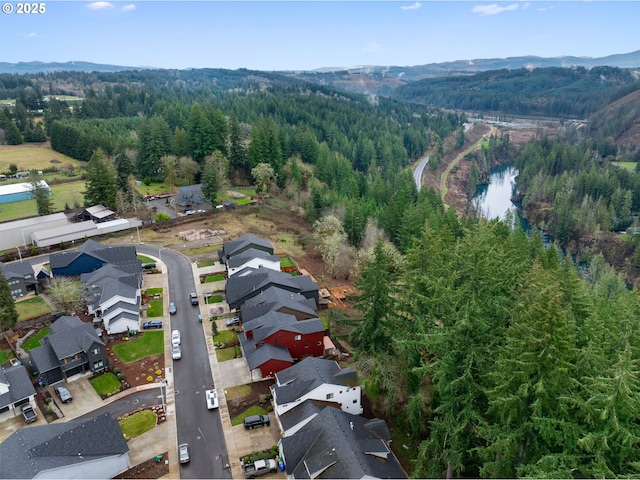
[[266, 360], [239, 289], [113, 296], [336, 444], [90, 256], [20, 277], [188, 197], [72, 347], [15, 389], [252, 258], [243, 243], [275, 299], [301, 338], [317, 379], [91, 448]]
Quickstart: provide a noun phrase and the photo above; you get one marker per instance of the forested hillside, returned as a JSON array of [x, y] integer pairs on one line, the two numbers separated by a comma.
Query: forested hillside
[[490, 355], [553, 92]]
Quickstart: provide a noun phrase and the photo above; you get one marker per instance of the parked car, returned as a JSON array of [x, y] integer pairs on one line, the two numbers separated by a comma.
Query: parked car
[[194, 298], [63, 393], [28, 413], [175, 337], [176, 352], [152, 324], [183, 453], [212, 398], [172, 308], [233, 321], [253, 421]]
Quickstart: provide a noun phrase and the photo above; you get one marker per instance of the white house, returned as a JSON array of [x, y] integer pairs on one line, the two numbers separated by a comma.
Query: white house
[[252, 258], [320, 380]]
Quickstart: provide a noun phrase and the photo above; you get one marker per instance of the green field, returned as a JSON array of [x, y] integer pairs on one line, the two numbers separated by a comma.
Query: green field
[[32, 307], [141, 346], [628, 165], [68, 194], [34, 157], [34, 341]]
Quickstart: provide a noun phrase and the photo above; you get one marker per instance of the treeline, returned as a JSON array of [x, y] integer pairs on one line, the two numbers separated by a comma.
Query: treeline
[[557, 92], [497, 358]]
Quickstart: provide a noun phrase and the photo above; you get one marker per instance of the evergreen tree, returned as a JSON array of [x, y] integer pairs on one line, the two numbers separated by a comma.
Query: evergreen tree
[[101, 183], [42, 195], [210, 181], [8, 313], [237, 150], [200, 134]]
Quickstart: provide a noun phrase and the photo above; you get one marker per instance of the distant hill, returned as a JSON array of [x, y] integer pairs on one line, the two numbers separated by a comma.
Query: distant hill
[[72, 66], [383, 80]]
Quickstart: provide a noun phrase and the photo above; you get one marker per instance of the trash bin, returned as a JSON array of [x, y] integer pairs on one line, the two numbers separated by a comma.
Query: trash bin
[[158, 458], [200, 318]]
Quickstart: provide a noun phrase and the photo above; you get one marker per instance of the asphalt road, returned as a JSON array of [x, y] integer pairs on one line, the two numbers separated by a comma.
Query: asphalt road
[[417, 173], [196, 425]]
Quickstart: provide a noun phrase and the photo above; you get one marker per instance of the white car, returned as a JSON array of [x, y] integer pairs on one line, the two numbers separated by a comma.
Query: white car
[[175, 337], [176, 352], [183, 453], [212, 399]]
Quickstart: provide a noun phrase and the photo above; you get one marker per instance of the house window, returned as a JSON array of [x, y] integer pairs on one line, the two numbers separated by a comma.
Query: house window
[[319, 342], [306, 345], [275, 340], [355, 400], [98, 364], [297, 337], [329, 396], [95, 351]]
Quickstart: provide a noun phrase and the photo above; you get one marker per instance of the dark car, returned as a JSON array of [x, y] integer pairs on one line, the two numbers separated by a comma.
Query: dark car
[[194, 298], [253, 421], [152, 324], [172, 308], [63, 393]]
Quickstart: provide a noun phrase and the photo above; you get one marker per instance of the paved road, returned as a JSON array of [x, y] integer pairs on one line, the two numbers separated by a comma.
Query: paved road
[[196, 425], [417, 173]]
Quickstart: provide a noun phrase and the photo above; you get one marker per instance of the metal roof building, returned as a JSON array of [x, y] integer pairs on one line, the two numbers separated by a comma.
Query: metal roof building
[[18, 233], [16, 192]]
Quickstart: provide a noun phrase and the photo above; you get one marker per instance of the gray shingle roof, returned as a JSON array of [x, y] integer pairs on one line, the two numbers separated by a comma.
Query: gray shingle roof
[[291, 324], [301, 413], [70, 337], [233, 247], [44, 358], [335, 444], [34, 450], [249, 254], [18, 270], [20, 386], [240, 289], [256, 357]]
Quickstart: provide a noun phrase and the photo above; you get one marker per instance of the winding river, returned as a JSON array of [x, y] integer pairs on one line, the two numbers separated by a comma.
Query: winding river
[[494, 200]]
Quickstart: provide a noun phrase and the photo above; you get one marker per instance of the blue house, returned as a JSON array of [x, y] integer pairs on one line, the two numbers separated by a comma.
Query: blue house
[[90, 256]]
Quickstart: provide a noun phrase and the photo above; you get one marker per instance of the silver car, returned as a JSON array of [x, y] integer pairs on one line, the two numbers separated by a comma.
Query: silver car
[[183, 453], [63, 393]]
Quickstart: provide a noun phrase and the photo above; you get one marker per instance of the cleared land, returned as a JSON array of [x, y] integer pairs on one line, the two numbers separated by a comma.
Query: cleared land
[[34, 157]]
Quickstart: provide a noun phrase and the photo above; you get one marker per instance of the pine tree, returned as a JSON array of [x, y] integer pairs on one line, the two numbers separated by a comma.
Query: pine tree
[[42, 195], [8, 313], [101, 183], [210, 181]]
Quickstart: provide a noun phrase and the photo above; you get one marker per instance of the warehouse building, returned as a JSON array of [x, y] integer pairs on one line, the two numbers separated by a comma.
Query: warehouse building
[[19, 191], [18, 233]]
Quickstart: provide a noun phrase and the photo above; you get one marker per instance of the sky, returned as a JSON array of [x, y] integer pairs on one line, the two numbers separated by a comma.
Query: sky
[[305, 35]]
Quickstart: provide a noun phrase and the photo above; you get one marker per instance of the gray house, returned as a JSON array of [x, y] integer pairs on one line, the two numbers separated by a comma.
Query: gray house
[[72, 347], [242, 244], [93, 448], [15, 389], [335, 444], [20, 277], [278, 300]]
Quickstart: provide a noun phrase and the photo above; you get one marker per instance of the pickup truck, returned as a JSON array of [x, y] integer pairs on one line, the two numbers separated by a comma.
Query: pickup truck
[[259, 467], [28, 413]]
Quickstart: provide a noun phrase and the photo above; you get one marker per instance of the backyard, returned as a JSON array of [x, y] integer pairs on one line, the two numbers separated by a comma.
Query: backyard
[[31, 308]]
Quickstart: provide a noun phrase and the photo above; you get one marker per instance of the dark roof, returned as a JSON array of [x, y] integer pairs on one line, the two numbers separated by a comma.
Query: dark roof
[[32, 451], [240, 289], [299, 414], [335, 444], [307, 375], [44, 358], [124, 255], [233, 247], [256, 357], [189, 195], [16, 269], [306, 307], [302, 327], [20, 386], [248, 255], [70, 335], [268, 319]]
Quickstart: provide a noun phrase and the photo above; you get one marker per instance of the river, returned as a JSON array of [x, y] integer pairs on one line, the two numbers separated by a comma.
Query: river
[[494, 200]]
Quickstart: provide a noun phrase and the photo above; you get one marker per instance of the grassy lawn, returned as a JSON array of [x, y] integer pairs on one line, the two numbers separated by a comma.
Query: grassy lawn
[[34, 157], [63, 194], [214, 299], [106, 384], [145, 259], [253, 410], [205, 263], [141, 346], [5, 355], [287, 262], [34, 340], [138, 423], [225, 336], [223, 354], [202, 250], [214, 278], [628, 165], [155, 308], [239, 391], [249, 192], [153, 189], [154, 291], [32, 307]]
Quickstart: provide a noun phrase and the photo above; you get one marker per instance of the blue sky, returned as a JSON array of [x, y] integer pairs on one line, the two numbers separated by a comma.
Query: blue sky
[[305, 35]]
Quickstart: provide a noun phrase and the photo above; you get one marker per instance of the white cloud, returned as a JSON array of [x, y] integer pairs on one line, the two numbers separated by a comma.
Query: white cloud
[[32, 35], [129, 8], [99, 5], [414, 6], [493, 9]]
